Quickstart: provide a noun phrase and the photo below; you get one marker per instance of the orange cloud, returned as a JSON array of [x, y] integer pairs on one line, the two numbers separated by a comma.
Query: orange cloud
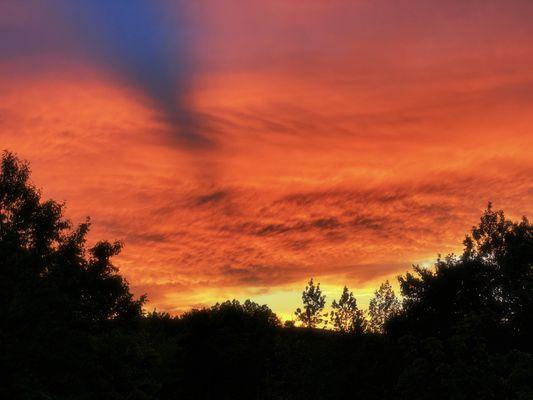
[[349, 141]]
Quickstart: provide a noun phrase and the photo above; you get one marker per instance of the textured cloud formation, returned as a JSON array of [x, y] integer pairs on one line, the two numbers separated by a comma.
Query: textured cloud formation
[[353, 139]]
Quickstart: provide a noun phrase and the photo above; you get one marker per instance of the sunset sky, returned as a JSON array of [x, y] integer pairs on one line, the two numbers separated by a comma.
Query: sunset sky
[[240, 147]]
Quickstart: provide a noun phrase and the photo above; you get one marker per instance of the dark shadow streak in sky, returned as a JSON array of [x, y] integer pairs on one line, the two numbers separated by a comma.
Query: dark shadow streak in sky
[[145, 43]]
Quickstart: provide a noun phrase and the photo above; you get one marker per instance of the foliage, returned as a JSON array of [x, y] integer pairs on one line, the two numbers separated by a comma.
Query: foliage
[[314, 302], [382, 307], [346, 316], [487, 291], [63, 304]]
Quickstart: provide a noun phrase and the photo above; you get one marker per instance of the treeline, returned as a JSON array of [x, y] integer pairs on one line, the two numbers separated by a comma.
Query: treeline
[[345, 316], [71, 329]]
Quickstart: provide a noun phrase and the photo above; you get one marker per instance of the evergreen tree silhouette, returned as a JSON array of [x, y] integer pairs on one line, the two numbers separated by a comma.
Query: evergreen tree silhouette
[[314, 301], [382, 307], [346, 316]]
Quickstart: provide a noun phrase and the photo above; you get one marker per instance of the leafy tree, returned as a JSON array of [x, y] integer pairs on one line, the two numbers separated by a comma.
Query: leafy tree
[[346, 316], [63, 304], [382, 307], [41, 251], [288, 324], [505, 248], [223, 351], [260, 314], [314, 302], [488, 290]]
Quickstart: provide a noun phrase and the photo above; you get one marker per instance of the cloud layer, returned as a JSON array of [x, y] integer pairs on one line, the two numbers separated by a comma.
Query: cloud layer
[[347, 140]]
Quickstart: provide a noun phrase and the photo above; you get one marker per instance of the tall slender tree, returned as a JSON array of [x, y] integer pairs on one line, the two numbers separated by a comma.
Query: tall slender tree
[[346, 316], [382, 307], [312, 314]]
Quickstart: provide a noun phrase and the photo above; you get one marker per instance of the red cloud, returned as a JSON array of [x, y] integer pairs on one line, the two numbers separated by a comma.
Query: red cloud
[[344, 151]]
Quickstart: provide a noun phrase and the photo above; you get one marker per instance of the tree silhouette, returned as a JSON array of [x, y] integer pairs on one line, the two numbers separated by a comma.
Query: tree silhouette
[[313, 306], [289, 324], [383, 306], [346, 316], [59, 298], [506, 248], [488, 288]]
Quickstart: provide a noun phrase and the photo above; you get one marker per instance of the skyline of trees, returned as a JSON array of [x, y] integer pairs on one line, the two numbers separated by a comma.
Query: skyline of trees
[[345, 315], [71, 329]]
